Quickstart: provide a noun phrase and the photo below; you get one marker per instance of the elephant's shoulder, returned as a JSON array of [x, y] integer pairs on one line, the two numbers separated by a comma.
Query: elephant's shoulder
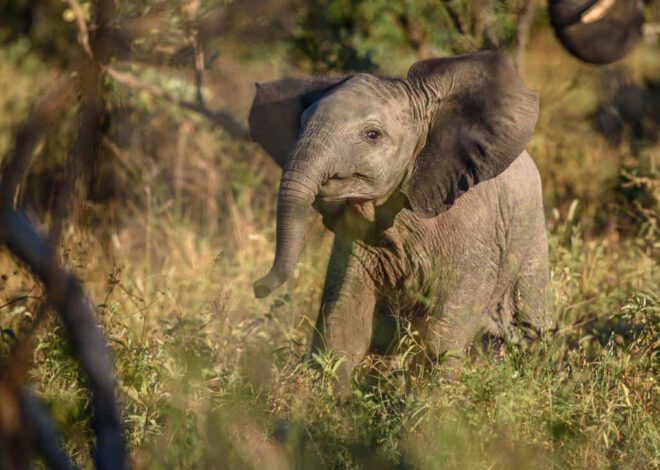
[[522, 175], [519, 183], [520, 186]]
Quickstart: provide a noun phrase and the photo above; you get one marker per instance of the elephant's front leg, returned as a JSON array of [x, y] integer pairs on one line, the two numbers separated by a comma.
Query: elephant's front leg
[[345, 321]]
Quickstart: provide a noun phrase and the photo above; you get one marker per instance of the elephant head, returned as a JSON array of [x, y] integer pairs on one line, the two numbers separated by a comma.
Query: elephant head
[[597, 31], [451, 124]]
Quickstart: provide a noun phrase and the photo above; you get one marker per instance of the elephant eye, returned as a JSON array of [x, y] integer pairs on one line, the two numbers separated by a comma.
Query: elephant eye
[[373, 134]]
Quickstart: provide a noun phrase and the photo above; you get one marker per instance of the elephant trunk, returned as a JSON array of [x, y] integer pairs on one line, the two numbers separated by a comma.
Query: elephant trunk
[[298, 189]]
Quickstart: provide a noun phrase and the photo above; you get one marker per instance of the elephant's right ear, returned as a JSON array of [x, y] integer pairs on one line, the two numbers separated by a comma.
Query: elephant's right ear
[[275, 114], [481, 116]]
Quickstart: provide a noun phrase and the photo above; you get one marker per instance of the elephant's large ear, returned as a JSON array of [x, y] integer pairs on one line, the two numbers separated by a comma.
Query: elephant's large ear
[[275, 114], [481, 118], [597, 31]]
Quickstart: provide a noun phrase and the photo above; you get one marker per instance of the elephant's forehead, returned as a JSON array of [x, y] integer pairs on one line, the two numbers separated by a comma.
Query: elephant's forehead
[[363, 96], [370, 88]]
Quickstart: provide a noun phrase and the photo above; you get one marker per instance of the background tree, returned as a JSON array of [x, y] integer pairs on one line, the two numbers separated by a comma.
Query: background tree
[[360, 34]]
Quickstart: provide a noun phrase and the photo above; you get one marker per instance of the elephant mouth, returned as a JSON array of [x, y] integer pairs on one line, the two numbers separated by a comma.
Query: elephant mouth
[[347, 198], [350, 188]]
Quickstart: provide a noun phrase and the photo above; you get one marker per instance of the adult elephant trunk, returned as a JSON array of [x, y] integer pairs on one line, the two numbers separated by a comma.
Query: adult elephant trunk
[[298, 188]]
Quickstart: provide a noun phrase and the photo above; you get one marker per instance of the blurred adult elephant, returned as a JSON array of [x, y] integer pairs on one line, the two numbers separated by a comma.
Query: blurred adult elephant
[[434, 202], [597, 31]]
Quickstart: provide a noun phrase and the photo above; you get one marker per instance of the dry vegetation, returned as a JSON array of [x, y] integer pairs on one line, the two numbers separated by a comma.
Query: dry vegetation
[[180, 222]]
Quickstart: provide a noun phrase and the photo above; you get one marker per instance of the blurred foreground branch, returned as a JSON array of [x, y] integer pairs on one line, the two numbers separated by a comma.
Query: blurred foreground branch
[[83, 34], [44, 433], [25, 425], [66, 296]]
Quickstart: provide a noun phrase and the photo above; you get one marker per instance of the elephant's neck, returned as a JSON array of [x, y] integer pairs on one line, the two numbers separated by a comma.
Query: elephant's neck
[[367, 222]]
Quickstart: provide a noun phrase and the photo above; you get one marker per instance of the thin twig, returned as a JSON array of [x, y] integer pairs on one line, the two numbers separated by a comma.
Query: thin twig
[[192, 9], [18, 299], [83, 33]]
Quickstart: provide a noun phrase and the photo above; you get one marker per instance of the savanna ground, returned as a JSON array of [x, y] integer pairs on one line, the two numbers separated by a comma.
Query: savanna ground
[[182, 222]]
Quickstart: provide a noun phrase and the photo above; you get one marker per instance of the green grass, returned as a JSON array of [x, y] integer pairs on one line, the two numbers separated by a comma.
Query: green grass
[[210, 377]]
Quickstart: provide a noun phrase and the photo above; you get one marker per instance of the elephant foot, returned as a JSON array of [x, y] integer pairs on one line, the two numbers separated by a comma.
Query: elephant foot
[[451, 367]]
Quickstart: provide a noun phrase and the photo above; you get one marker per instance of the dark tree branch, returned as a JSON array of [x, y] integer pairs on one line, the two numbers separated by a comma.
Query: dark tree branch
[[45, 435], [83, 157], [83, 34]]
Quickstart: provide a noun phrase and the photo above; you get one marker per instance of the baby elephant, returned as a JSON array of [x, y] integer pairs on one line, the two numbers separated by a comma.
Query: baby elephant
[[435, 204]]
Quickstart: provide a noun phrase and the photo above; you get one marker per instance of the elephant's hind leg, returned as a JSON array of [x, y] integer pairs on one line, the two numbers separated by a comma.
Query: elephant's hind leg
[[531, 297], [450, 330]]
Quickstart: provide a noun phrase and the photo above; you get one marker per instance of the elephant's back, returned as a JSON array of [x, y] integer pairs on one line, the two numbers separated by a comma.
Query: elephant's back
[[521, 203], [522, 179]]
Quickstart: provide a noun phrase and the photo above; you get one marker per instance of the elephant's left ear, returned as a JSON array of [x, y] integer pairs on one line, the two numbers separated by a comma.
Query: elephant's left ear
[[481, 117], [275, 114]]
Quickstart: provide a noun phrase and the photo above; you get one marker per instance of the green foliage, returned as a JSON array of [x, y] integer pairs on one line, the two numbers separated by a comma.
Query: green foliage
[[209, 377], [41, 25], [365, 35]]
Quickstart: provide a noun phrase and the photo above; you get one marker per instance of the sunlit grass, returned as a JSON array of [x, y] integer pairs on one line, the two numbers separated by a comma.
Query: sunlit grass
[[211, 377]]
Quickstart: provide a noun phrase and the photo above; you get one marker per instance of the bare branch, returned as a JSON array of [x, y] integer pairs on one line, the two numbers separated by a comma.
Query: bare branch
[[220, 118], [17, 162], [525, 19], [83, 33], [191, 7], [455, 18], [63, 290]]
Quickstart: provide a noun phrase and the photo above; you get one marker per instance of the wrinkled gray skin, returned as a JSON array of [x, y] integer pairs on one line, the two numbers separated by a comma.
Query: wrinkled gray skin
[[435, 204]]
